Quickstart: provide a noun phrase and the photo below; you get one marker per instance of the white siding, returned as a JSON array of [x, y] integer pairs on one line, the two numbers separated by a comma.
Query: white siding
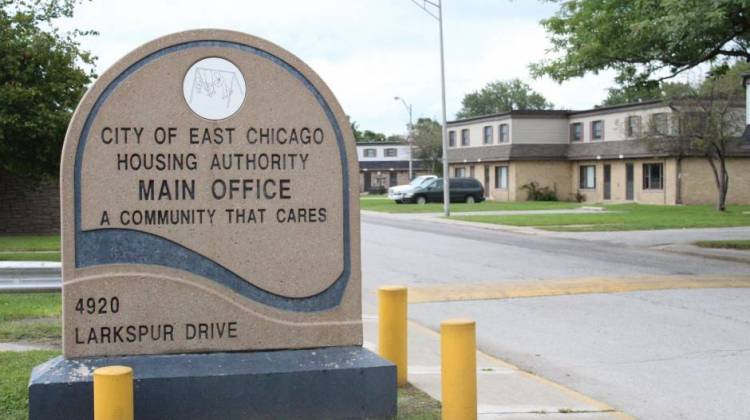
[[614, 123], [401, 154], [540, 131], [476, 131]]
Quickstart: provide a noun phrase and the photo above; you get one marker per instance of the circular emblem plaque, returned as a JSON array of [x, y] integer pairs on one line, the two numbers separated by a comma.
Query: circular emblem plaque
[[214, 88]]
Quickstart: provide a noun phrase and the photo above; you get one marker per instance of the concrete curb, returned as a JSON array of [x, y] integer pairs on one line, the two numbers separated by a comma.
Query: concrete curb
[[503, 390], [717, 254]]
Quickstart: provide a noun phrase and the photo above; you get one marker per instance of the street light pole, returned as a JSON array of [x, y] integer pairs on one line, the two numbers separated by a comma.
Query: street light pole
[[409, 138], [446, 173]]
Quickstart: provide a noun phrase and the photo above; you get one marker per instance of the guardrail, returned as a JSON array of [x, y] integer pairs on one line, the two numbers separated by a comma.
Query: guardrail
[[27, 276]]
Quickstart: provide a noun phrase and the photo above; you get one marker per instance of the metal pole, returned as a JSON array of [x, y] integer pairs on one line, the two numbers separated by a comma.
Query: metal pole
[[410, 139], [446, 172]]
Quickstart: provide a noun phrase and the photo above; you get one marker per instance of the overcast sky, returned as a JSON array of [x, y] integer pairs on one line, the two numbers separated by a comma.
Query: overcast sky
[[368, 51]]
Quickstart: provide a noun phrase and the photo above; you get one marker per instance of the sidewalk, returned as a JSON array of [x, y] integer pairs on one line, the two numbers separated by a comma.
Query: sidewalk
[[503, 390]]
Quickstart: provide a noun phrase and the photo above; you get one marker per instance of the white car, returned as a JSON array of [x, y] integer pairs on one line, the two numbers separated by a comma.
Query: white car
[[399, 192]]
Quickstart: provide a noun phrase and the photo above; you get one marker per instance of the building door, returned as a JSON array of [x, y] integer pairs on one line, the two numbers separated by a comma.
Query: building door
[[368, 181], [471, 171], [607, 182], [629, 183], [393, 181], [487, 181]]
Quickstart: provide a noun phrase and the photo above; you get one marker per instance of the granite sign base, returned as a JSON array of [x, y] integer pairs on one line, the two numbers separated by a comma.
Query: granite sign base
[[326, 383]]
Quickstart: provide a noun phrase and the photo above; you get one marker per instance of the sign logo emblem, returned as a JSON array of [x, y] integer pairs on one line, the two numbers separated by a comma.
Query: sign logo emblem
[[214, 88]]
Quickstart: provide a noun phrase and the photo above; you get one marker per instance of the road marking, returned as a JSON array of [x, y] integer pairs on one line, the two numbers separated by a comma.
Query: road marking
[[569, 286]]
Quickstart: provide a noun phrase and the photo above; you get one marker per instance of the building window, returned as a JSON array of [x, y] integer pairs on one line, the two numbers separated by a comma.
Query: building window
[[659, 123], [370, 153], [488, 134], [391, 152], [501, 177], [576, 132], [459, 172], [633, 126], [597, 130], [465, 137], [690, 123], [451, 139], [653, 176], [504, 133], [588, 177]]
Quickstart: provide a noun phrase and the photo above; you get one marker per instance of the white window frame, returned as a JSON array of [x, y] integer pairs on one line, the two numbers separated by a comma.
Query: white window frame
[[501, 177], [587, 182], [503, 137]]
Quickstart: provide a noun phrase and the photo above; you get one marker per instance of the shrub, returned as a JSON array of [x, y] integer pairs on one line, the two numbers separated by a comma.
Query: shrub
[[580, 197], [378, 190], [536, 193]]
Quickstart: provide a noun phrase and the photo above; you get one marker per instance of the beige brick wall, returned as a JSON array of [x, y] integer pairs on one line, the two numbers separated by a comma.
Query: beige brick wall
[[666, 195], [699, 186], [555, 175]]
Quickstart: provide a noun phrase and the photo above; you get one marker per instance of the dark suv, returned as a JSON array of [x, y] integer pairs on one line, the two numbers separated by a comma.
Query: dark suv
[[463, 190]]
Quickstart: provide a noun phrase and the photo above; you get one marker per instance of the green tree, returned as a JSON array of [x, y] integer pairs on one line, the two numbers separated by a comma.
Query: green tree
[[372, 136], [427, 138], [707, 120], [366, 135], [43, 74], [643, 41], [355, 129], [501, 96], [645, 92]]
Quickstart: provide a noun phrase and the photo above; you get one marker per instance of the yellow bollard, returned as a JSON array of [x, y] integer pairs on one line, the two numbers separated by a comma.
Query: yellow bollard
[[392, 328], [113, 393], [458, 353]]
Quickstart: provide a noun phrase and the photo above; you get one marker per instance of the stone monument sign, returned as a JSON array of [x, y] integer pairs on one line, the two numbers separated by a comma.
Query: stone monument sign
[[209, 204]]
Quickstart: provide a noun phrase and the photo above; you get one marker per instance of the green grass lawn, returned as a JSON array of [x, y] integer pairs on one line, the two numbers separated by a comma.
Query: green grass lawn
[[30, 317], [731, 244], [413, 404], [30, 248], [30, 243], [30, 256], [627, 217], [16, 369], [385, 205]]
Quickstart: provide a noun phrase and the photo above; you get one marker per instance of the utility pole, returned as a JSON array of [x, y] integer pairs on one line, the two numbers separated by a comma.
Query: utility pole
[[429, 6], [409, 138]]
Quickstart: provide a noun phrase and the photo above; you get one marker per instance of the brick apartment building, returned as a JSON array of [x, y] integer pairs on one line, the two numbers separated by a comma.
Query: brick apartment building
[[599, 153]]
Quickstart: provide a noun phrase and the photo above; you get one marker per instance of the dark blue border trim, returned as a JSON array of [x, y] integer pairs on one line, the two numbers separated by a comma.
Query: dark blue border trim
[[122, 246]]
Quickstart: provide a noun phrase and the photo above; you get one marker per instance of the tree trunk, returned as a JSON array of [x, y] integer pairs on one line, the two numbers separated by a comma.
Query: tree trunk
[[721, 177], [678, 186], [724, 185]]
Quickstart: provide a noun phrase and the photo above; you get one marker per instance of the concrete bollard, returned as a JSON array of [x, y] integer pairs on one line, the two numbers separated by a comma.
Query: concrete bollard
[[113, 393], [392, 328], [458, 354]]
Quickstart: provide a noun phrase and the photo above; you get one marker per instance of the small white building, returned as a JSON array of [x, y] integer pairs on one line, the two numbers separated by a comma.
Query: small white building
[[385, 164]]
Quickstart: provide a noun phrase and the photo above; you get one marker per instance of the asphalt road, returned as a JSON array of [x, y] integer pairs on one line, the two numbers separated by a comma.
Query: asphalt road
[[671, 354]]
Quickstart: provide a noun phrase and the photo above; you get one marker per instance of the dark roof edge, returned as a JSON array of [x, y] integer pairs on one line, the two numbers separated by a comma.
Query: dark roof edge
[[551, 113], [519, 112], [382, 143], [613, 108]]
